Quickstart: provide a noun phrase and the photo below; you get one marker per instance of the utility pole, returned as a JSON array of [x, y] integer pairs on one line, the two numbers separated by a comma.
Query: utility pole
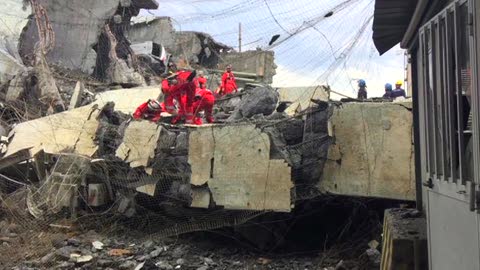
[[239, 37]]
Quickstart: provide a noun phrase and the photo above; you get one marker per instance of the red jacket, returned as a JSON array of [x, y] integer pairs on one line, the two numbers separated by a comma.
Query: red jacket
[[182, 76], [166, 87], [202, 82], [143, 112], [187, 89], [228, 83], [204, 101], [169, 97]]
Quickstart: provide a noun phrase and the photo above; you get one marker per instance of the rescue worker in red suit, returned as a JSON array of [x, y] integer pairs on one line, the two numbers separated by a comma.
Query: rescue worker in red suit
[[202, 81], [228, 84], [204, 101], [169, 98], [150, 110], [185, 87]]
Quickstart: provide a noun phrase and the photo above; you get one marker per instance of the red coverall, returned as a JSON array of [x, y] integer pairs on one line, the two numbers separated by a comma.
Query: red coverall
[[169, 104], [202, 82], [143, 112], [187, 89], [228, 83], [204, 102]]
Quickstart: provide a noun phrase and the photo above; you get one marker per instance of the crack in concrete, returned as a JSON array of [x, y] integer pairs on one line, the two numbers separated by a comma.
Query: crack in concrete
[[401, 105], [366, 149]]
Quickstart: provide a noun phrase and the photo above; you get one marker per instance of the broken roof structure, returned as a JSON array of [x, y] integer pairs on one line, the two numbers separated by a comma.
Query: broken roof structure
[[78, 29]]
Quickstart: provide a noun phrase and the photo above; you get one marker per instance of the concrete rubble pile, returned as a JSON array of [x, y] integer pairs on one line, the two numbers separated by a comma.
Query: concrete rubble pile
[[79, 141], [98, 152], [83, 153], [97, 43]]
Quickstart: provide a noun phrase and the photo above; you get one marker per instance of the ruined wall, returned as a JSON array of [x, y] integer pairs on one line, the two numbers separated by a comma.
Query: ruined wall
[[77, 26], [200, 48], [196, 47], [159, 30], [372, 153], [261, 63], [10, 29]]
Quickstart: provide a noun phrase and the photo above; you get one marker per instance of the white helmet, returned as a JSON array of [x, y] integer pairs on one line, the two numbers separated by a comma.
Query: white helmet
[[153, 105]]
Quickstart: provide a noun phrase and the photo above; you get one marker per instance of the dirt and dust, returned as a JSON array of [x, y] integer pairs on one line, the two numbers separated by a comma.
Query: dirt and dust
[[321, 234]]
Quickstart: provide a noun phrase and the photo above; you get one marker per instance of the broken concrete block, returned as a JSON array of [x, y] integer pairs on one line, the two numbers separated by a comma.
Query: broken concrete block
[[57, 133], [241, 174], [76, 99], [259, 100], [16, 87], [148, 189], [127, 100], [120, 73], [200, 198], [301, 97], [139, 143], [374, 161], [404, 241], [159, 30]]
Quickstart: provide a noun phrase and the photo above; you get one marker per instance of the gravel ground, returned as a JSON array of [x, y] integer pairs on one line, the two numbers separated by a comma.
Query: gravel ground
[[198, 251]]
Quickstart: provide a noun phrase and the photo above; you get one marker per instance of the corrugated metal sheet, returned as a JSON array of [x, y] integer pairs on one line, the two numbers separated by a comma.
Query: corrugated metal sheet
[[391, 21]]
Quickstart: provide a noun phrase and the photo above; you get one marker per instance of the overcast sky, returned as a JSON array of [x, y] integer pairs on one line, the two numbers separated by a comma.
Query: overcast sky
[[312, 49]]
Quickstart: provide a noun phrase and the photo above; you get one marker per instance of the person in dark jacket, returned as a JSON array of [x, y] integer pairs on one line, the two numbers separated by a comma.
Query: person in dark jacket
[[388, 91], [398, 91], [362, 90]]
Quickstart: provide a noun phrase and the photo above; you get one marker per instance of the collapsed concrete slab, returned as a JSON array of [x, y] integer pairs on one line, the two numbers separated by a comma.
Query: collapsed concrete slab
[[372, 153], [71, 132], [235, 163], [234, 166], [139, 143], [301, 97], [127, 101]]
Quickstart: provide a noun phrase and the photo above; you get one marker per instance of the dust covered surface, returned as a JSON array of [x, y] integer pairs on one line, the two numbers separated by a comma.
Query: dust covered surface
[[305, 240]]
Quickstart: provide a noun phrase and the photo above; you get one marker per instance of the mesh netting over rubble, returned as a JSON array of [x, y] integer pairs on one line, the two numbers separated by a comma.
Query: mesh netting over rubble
[[95, 168]]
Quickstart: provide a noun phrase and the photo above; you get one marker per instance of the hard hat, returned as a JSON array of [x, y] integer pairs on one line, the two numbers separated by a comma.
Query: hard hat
[[229, 66], [153, 105], [200, 73], [388, 87], [362, 83], [399, 82]]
